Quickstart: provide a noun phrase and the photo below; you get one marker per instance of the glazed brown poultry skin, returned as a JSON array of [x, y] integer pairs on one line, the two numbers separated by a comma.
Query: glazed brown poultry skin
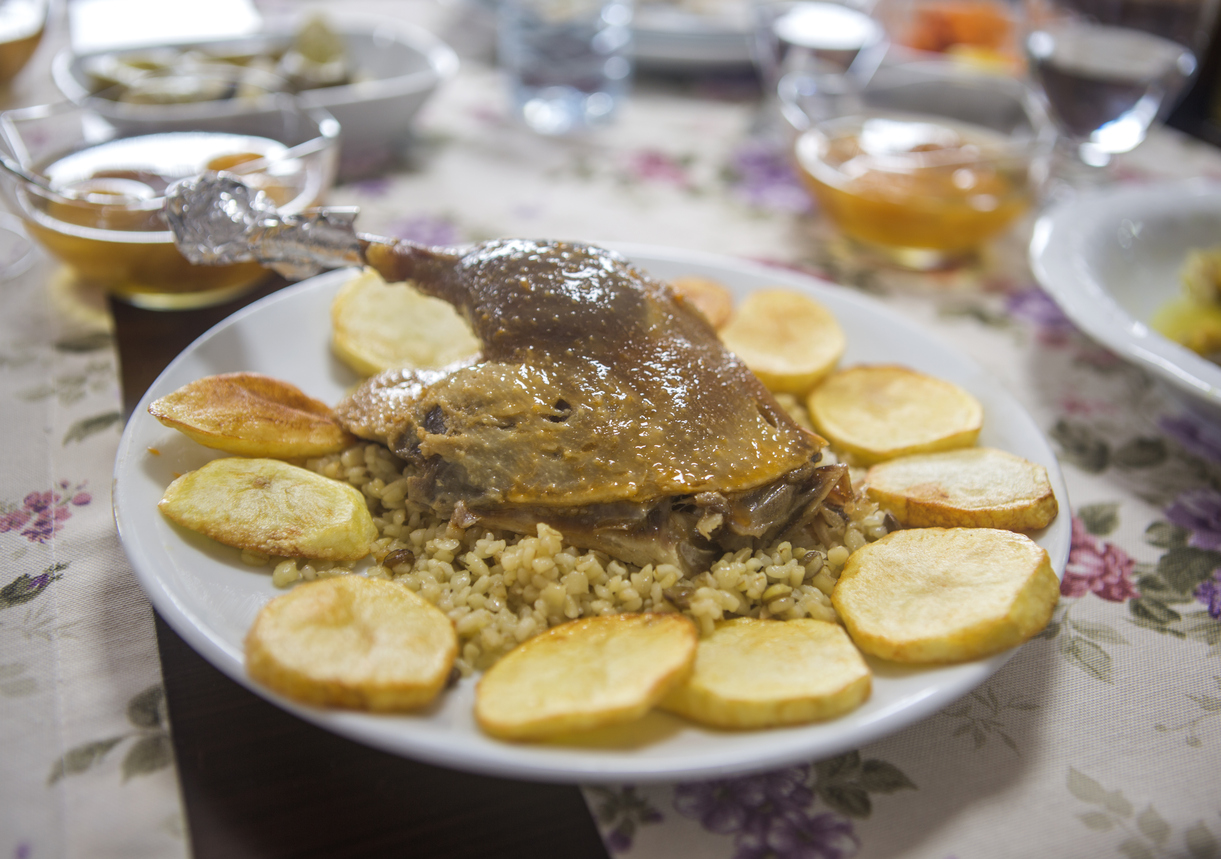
[[602, 405]]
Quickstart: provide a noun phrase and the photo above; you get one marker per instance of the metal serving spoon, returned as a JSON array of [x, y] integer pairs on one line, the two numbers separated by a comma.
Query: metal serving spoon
[[14, 167]]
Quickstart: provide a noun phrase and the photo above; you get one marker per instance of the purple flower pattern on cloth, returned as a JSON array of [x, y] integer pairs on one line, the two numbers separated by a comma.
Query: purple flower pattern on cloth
[[769, 816], [1035, 307], [793, 834], [44, 513], [1198, 511], [426, 230], [1197, 436], [622, 812], [652, 165], [1209, 593], [1098, 567], [762, 177], [25, 587]]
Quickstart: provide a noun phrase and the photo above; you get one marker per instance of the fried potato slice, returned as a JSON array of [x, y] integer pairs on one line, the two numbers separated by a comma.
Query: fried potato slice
[[787, 339], [763, 673], [377, 326], [272, 507], [352, 642], [972, 487], [938, 595], [877, 412], [249, 414], [585, 674], [710, 297]]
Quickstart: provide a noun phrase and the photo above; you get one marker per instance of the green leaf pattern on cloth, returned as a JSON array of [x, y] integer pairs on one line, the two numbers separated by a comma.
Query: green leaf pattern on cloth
[[148, 751], [1143, 833], [87, 767]]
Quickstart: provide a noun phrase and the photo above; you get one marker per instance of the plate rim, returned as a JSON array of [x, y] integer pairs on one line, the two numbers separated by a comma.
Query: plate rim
[[524, 761], [1056, 259]]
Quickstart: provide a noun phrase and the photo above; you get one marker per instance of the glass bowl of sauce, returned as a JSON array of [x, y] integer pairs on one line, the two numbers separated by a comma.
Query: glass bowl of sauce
[[22, 23], [103, 213], [928, 162]]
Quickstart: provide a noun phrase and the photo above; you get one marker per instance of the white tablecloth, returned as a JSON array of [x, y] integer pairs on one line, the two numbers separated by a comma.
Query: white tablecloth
[[1101, 737]]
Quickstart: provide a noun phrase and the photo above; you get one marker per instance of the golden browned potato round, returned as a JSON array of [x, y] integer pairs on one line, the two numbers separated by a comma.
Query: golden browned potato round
[[249, 414], [938, 595], [787, 339], [710, 297], [352, 642], [877, 412], [377, 326], [584, 674], [762, 673], [272, 507], [972, 487]]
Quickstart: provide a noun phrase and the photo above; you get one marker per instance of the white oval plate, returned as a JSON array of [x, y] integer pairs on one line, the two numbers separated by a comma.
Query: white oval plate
[[210, 597], [1111, 257]]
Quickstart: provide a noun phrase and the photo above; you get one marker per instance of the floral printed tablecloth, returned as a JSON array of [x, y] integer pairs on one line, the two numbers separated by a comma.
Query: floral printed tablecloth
[[1101, 737]]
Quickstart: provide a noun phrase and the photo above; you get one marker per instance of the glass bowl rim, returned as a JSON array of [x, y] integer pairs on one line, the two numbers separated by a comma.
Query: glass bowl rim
[[326, 134], [907, 75]]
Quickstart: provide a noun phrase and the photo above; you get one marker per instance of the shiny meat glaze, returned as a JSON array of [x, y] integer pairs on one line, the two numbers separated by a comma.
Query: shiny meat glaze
[[597, 385]]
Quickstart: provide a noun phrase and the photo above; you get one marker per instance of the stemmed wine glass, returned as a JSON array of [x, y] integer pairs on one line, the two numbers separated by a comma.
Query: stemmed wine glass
[[1108, 69]]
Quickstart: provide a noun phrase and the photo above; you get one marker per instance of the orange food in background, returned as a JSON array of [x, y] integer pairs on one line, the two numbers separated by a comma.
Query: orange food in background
[[976, 30]]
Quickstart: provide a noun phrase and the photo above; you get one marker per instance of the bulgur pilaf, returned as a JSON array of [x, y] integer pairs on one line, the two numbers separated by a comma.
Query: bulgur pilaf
[[500, 588]]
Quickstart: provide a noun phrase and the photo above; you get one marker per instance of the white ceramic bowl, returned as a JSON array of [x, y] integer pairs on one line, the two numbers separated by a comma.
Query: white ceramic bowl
[[404, 63], [1111, 257]]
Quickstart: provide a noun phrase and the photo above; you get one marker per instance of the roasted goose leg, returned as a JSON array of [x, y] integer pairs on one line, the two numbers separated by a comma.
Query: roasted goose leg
[[603, 404]]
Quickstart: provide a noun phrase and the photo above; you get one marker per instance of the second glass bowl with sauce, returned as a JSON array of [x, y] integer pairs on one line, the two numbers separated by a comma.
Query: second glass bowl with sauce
[[22, 24], [102, 214], [927, 163]]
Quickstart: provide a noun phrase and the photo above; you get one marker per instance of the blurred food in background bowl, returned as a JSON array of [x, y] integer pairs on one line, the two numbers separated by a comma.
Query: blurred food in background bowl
[[925, 164], [22, 23], [1119, 260], [371, 74], [103, 212], [980, 32]]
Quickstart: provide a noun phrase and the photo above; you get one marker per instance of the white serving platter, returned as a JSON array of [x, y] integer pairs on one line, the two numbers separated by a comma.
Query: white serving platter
[[210, 597]]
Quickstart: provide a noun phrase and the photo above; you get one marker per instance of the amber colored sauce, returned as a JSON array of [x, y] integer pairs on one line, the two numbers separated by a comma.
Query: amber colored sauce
[[133, 268], [21, 29], [125, 245], [229, 161], [948, 207]]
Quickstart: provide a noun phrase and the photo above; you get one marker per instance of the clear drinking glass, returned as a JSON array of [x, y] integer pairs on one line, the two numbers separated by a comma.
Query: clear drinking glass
[[568, 62], [1109, 69], [832, 47]]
